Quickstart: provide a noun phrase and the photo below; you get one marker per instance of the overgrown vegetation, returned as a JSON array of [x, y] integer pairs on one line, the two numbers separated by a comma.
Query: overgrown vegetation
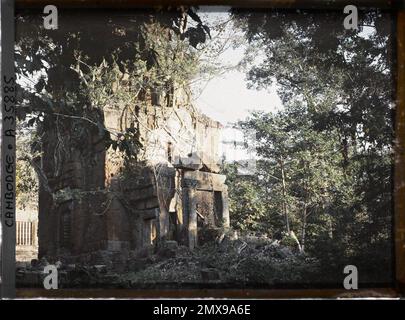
[[323, 182], [248, 261]]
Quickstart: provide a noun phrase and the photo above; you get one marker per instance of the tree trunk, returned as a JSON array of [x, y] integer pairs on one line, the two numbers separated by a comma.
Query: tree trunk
[[285, 209], [330, 228], [304, 227], [304, 213]]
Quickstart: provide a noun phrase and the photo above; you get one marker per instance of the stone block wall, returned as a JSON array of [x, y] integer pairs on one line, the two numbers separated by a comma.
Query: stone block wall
[[95, 200]]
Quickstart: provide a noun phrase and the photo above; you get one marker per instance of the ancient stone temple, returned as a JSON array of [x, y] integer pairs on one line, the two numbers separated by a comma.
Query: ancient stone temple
[[93, 199]]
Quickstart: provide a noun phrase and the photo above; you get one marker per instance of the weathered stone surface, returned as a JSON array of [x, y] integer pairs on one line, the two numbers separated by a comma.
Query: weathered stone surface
[[142, 193], [205, 180], [197, 161], [122, 205], [149, 213], [152, 203], [145, 204], [208, 234], [191, 162], [210, 162]]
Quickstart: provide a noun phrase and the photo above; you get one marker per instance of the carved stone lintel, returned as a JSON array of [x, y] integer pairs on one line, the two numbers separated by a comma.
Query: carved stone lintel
[[190, 183], [204, 180]]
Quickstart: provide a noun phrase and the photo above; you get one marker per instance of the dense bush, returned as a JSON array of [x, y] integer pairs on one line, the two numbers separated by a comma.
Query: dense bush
[[247, 261]]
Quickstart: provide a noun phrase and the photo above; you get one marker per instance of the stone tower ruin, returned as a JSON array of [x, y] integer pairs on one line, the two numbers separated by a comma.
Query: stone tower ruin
[[94, 200]]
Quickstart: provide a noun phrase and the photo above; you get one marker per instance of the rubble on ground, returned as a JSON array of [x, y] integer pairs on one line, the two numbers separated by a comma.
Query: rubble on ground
[[230, 261]]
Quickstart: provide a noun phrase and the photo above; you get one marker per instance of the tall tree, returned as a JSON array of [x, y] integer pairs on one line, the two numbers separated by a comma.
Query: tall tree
[[336, 85]]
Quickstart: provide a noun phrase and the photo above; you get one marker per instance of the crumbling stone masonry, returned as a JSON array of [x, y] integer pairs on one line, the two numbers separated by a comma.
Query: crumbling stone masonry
[[93, 200]]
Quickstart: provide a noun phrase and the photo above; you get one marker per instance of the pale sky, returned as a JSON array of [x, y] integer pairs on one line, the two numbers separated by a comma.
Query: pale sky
[[227, 98]]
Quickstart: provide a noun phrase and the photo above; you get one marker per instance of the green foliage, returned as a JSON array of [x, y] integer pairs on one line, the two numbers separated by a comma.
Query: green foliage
[[119, 83], [324, 162], [247, 208], [334, 139], [74, 72]]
